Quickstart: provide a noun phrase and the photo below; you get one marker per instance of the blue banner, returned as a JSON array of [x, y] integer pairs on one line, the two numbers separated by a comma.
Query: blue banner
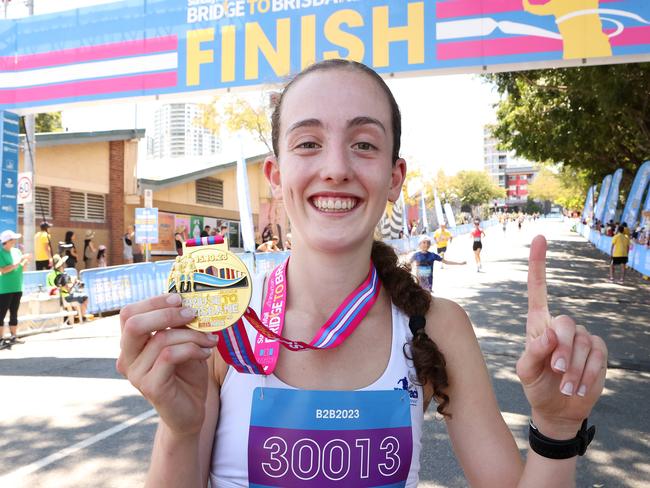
[[9, 130], [633, 203], [589, 203], [612, 196], [599, 211], [143, 48]]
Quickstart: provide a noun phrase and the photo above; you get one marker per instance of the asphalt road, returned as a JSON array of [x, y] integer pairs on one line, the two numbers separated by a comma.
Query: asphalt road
[[69, 420]]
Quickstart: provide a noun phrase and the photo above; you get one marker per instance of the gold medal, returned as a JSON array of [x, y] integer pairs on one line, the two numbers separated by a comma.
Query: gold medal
[[212, 281]]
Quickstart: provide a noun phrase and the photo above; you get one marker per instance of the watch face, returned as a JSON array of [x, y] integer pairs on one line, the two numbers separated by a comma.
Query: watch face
[[214, 282]]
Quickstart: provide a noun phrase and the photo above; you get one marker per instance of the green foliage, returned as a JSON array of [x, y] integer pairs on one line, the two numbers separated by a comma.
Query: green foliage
[[533, 207], [234, 114], [475, 188], [592, 120], [50, 122], [565, 187]]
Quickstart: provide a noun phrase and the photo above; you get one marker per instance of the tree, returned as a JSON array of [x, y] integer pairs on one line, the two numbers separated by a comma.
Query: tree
[[545, 187], [592, 119], [50, 122], [475, 188], [236, 114]]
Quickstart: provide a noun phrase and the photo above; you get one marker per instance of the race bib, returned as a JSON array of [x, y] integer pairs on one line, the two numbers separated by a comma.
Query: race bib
[[329, 438]]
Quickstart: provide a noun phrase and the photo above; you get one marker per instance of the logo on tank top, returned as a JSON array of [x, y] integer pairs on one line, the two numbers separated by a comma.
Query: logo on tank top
[[406, 386]]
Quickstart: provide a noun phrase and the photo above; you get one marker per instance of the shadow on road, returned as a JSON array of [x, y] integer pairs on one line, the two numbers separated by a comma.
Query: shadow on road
[[61, 367]]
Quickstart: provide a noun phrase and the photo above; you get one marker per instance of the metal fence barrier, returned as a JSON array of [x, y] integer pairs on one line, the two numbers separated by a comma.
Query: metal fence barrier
[[638, 257]]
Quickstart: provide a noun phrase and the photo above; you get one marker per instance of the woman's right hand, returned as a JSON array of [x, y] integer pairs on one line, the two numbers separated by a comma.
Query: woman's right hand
[[166, 361]]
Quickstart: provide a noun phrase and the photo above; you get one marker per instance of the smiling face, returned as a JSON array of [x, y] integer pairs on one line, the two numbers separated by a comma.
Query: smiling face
[[334, 169]]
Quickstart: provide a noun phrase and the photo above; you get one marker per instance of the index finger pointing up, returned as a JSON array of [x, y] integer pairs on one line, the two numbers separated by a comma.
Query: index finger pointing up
[[537, 298]]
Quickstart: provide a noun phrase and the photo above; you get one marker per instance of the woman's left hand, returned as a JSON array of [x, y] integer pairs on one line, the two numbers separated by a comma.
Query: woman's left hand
[[563, 367]]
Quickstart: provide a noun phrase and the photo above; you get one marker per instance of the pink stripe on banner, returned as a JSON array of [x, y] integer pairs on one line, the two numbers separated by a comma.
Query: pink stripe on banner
[[631, 36], [496, 47], [89, 53], [460, 8], [53, 93]]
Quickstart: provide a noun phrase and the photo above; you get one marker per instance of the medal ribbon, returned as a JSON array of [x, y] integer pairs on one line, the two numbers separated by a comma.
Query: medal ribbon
[[236, 349]]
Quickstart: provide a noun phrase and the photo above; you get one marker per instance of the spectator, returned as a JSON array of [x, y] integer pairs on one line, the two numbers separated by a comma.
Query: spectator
[[43, 247], [69, 288], [101, 256], [267, 233], [138, 252], [287, 242], [619, 252], [178, 238], [206, 231], [269, 246], [12, 264], [71, 249], [127, 243], [89, 249]]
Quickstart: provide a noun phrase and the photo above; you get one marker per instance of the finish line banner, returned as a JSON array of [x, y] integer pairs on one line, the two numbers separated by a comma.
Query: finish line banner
[[144, 48]]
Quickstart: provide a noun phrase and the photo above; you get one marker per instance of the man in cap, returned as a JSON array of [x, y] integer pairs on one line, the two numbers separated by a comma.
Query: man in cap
[[424, 260], [43, 247], [12, 262]]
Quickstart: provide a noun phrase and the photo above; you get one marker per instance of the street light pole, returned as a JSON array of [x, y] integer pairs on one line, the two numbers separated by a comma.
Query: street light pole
[[29, 165]]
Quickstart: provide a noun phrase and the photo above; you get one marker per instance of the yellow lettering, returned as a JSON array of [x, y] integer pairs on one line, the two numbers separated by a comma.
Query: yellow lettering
[[228, 53], [196, 56], [335, 35], [279, 58], [307, 41], [412, 33]]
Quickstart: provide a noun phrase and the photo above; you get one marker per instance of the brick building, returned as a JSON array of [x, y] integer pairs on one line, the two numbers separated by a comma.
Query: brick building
[[82, 182]]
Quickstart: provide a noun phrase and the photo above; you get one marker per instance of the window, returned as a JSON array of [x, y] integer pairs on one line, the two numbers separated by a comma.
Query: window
[[87, 206], [42, 204], [209, 191], [524, 177]]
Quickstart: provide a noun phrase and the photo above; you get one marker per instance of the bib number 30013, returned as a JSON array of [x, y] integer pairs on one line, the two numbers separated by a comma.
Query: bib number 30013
[[297, 438]]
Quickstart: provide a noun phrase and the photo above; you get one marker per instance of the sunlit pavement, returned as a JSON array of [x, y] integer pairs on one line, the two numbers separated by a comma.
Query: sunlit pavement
[[71, 421]]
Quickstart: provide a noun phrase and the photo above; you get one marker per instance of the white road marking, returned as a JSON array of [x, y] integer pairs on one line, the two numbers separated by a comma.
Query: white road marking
[[19, 473]]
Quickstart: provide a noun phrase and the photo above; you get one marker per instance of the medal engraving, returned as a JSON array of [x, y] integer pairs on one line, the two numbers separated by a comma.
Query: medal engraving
[[212, 281]]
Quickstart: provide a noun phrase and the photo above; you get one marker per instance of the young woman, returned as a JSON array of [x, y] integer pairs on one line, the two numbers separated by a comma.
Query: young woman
[[355, 412], [477, 244], [101, 256]]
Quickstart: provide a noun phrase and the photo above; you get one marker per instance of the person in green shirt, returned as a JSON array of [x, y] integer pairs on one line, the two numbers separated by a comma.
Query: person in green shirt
[[12, 262]]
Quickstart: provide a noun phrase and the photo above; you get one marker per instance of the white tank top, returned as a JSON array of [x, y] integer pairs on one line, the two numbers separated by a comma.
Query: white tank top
[[229, 465]]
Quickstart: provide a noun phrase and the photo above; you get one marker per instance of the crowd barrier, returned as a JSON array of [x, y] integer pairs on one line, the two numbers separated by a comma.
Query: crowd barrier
[[638, 258], [36, 281], [114, 287], [408, 244]]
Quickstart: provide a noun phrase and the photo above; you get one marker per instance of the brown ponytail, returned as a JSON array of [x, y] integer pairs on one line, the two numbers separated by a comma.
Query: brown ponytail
[[413, 300]]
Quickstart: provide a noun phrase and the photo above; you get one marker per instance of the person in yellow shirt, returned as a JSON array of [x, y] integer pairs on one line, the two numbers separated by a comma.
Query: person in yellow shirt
[[619, 252], [442, 237], [43, 248]]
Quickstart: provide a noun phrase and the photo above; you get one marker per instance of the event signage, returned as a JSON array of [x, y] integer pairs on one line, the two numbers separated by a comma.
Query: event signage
[[633, 203], [146, 225], [602, 198], [8, 170], [25, 187], [144, 48], [589, 203], [612, 196]]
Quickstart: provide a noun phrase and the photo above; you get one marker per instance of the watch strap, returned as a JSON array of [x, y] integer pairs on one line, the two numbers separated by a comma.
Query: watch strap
[[565, 449]]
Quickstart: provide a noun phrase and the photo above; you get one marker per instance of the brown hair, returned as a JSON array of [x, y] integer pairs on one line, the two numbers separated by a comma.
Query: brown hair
[[404, 292], [413, 300]]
